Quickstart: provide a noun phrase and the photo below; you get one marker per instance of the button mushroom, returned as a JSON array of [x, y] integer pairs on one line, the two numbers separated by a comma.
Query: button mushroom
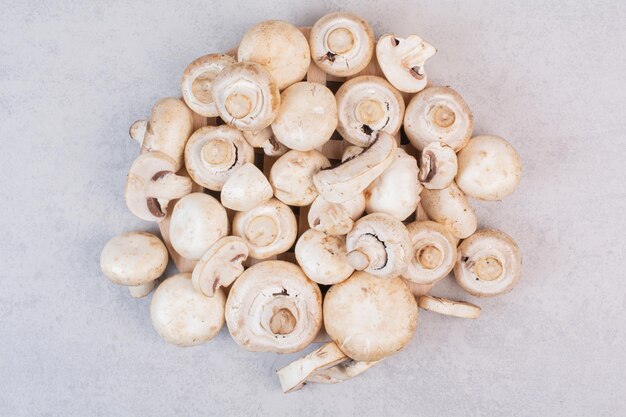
[[438, 114], [266, 140], [449, 206], [307, 116], [246, 188], [335, 218], [366, 104], [380, 245], [291, 176], [438, 166], [489, 168], [220, 265], [268, 229], [323, 257], [370, 318], [488, 263], [152, 183], [197, 81], [402, 61], [342, 44], [447, 307], [213, 153], [434, 252], [183, 316], [280, 47], [274, 307]]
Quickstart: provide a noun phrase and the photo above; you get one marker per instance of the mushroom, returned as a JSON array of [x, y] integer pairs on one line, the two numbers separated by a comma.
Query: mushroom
[[447, 307], [166, 131], [307, 116], [323, 257], [380, 245], [268, 229], [335, 218], [266, 140], [397, 190], [449, 206], [197, 81], [291, 176], [489, 168], [246, 96], [197, 222], [434, 252], [438, 166], [152, 183], [213, 153], [342, 44], [402, 61], [488, 263], [366, 104], [438, 114], [220, 265], [350, 152], [134, 259], [274, 307], [370, 318], [350, 178], [246, 188], [183, 316], [341, 372], [280, 47]]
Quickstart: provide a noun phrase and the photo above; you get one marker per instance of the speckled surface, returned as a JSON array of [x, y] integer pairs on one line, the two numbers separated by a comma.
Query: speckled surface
[[548, 76]]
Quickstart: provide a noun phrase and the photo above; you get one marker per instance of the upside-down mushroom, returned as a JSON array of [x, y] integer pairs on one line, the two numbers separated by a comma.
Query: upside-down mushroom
[[220, 265], [402, 61], [197, 81], [322, 257], [449, 206], [434, 252], [291, 176]]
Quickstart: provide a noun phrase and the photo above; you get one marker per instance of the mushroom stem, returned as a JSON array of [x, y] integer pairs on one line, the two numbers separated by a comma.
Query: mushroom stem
[[283, 322], [140, 291], [169, 186], [358, 260], [369, 253], [138, 130]]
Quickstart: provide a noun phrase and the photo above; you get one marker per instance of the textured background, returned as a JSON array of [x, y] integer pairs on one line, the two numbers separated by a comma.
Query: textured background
[[550, 77]]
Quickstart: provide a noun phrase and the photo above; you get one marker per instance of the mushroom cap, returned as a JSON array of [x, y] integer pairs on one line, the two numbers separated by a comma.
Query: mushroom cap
[[342, 44], [291, 176], [197, 80], [246, 96], [434, 252], [489, 168], [133, 258], [268, 229], [183, 316], [438, 114], [488, 263], [220, 265], [402, 61], [198, 221], [323, 257], [438, 166], [307, 116], [274, 307], [365, 104], [335, 218], [449, 206], [280, 47], [214, 153], [370, 318], [397, 190], [246, 188]]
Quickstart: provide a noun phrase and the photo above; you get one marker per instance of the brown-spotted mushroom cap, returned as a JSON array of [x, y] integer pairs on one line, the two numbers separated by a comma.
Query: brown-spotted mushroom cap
[[335, 218], [220, 265], [323, 257], [274, 307], [449, 206], [370, 318], [488, 263], [291, 176], [266, 140], [197, 81], [402, 61], [434, 252], [438, 166], [246, 188]]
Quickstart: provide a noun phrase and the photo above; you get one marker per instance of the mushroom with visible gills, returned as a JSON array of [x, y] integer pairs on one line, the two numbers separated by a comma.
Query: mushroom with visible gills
[[402, 61], [197, 81], [291, 176], [434, 252], [323, 257], [246, 188], [449, 206], [438, 166], [220, 265], [335, 218]]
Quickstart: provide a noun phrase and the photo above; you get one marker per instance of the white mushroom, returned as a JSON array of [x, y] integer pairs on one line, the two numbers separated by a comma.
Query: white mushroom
[[434, 252], [380, 245], [213, 154], [291, 176], [402, 61], [350, 178], [307, 116], [152, 183], [268, 229], [342, 44], [197, 81], [341, 372], [220, 266], [350, 152], [438, 114], [246, 188], [280, 47], [183, 316], [197, 222], [397, 190], [370, 318], [246, 96], [488, 263], [323, 257], [489, 168], [140, 291], [335, 218], [366, 104], [447, 307], [266, 140], [274, 307], [449, 206], [438, 166], [166, 131]]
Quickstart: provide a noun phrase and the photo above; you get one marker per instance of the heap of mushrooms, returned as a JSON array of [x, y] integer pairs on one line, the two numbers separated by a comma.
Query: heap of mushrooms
[[299, 216]]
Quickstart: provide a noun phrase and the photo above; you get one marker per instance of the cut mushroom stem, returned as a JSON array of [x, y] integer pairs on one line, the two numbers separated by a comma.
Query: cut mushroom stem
[[447, 307], [140, 291], [370, 253]]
